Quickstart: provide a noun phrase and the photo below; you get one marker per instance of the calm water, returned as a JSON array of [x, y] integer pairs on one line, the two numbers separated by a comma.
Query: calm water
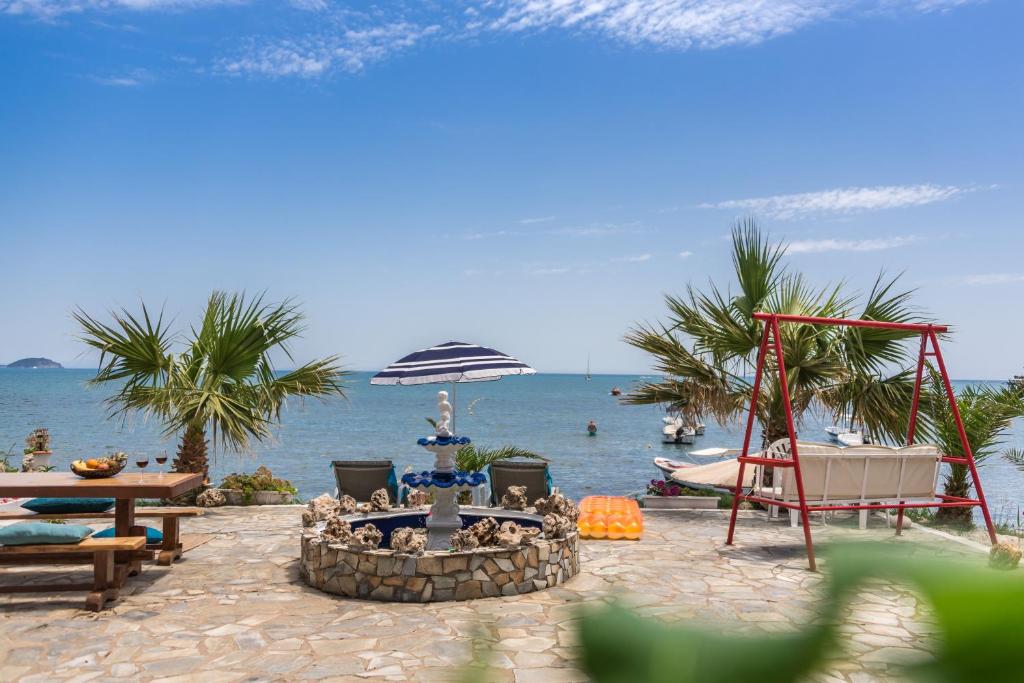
[[544, 413]]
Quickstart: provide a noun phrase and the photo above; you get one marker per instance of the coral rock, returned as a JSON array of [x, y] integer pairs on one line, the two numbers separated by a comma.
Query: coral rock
[[485, 531], [407, 540], [308, 519], [366, 537], [323, 507], [379, 501], [557, 526], [511, 534], [463, 539], [347, 504], [364, 508], [514, 498], [1004, 556], [337, 530], [210, 498], [416, 498], [557, 504]]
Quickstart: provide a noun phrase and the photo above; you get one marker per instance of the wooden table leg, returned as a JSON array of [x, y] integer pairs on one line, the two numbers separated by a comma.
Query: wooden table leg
[[170, 550], [104, 587], [124, 525]]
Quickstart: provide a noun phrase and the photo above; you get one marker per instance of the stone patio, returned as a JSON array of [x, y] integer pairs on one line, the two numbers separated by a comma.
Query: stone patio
[[235, 609]]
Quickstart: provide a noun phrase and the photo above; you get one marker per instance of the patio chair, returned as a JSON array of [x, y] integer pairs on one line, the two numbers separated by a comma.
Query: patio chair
[[360, 478], [534, 475]]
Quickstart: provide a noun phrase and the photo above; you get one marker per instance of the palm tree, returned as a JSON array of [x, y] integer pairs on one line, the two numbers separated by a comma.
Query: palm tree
[[707, 350], [987, 414], [218, 379], [473, 458]]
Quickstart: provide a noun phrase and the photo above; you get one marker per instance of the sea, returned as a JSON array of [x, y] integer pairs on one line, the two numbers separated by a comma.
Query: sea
[[544, 413]]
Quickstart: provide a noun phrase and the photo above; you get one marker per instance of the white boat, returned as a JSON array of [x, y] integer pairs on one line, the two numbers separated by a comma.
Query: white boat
[[668, 466], [833, 432], [716, 452], [699, 429], [675, 431], [850, 438]]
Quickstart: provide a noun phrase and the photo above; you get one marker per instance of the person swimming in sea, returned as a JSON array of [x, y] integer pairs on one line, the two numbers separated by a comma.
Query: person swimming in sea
[[592, 428]]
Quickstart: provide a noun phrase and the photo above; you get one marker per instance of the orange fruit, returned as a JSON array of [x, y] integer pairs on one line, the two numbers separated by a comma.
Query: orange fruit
[[92, 463]]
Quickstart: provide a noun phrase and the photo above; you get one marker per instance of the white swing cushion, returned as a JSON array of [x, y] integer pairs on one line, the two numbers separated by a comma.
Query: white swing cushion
[[857, 473]]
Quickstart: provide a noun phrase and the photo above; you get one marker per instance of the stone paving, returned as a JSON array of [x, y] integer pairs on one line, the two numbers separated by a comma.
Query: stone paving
[[235, 609]]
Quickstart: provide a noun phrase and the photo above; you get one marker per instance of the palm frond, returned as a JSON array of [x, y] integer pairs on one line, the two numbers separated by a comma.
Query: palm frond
[[473, 458]]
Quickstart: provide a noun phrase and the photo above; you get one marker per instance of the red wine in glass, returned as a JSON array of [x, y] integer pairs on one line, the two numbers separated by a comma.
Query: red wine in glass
[[142, 462], [161, 460]]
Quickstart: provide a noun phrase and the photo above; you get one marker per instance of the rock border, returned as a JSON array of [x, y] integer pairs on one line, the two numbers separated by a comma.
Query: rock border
[[437, 576]]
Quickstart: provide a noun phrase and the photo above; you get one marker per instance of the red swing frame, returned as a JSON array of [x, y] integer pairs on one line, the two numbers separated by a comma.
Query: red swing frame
[[771, 342]]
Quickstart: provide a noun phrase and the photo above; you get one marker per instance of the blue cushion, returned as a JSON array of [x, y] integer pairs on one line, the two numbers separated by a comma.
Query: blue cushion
[[152, 535], [31, 533], [63, 506]]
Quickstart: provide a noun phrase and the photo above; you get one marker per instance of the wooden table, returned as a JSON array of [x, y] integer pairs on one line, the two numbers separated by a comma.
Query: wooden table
[[124, 488]]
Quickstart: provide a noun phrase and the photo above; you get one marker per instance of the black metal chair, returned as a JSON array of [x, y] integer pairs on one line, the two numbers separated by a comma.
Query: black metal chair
[[534, 475], [360, 478]]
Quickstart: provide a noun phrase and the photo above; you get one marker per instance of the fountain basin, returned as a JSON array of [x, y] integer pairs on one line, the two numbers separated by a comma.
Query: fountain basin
[[437, 575]]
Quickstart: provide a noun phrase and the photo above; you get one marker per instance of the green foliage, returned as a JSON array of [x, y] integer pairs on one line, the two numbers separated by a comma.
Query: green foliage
[[987, 414], [473, 458], [707, 349], [979, 613], [5, 461], [260, 480], [218, 377]]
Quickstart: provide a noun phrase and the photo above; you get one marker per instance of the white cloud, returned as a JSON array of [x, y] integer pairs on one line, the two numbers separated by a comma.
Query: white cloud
[[531, 221], [50, 9], [633, 259], [685, 254], [132, 79], [841, 200], [818, 246], [349, 50], [323, 41], [548, 271], [994, 279], [678, 24]]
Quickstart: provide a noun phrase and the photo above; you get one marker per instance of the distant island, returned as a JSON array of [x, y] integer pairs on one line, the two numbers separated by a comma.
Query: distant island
[[35, 363]]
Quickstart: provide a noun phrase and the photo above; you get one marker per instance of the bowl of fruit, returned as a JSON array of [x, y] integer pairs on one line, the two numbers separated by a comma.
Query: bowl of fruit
[[100, 468]]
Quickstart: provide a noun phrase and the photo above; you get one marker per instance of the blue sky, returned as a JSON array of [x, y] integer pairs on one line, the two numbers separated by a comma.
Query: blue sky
[[527, 175]]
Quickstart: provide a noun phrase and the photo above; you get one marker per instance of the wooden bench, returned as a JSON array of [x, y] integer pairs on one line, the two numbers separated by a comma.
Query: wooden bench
[[167, 551], [108, 577]]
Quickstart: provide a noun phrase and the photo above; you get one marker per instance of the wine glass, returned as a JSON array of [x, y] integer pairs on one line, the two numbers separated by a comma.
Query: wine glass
[[161, 460], [141, 461]]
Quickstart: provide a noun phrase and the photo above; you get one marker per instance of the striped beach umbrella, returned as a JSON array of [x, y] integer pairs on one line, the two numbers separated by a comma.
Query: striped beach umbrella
[[451, 362]]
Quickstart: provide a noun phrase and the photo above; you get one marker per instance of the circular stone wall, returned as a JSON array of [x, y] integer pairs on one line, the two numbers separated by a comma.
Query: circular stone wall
[[436, 576]]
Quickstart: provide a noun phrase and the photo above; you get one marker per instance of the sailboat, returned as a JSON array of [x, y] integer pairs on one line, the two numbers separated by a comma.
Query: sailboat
[[588, 367]]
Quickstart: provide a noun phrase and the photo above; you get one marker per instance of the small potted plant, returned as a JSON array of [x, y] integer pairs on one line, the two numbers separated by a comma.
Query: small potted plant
[[259, 488], [37, 445], [663, 495]]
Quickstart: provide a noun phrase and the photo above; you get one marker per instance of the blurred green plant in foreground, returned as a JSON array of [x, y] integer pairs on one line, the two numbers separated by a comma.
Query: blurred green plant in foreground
[[979, 613]]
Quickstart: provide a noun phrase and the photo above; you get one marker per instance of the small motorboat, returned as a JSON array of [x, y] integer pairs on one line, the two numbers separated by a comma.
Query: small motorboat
[[850, 439], [699, 429], [675, 431], [668, 467], [615, 391], [715, 452], [833, 432]]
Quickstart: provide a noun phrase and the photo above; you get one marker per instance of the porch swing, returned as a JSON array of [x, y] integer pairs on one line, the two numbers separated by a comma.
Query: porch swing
[[899, 473]]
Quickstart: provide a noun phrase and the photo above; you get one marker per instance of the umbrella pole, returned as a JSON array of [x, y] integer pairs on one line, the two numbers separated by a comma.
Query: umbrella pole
[[453, 408]]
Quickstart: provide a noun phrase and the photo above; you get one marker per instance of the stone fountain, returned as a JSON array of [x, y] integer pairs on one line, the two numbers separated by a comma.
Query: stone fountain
[[444, 481], [380, 553]]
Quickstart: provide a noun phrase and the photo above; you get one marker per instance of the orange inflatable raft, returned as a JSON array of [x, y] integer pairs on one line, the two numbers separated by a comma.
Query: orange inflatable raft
[[610, 517]]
